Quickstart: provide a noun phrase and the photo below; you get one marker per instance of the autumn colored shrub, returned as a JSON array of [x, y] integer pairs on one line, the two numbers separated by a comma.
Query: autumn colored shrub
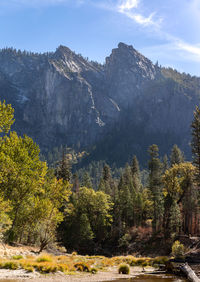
[[10, 265], [93, 270], [178, 250], [81, 266], [44, 258], [17, 257], [124, 269]]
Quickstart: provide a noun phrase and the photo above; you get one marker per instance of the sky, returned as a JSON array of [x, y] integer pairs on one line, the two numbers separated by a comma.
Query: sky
[[167, 31]]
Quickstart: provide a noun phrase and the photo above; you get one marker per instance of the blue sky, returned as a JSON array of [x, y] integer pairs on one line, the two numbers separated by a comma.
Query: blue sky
[[163, 30]]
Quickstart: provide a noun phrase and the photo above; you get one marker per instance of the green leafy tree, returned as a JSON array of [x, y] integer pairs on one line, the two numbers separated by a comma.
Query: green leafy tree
[[56, 196], [6, 117], [21, 175], [96, 208]]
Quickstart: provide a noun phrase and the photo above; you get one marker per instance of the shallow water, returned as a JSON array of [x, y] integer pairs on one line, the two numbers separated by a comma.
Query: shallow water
[[153, 278], [139, 278]]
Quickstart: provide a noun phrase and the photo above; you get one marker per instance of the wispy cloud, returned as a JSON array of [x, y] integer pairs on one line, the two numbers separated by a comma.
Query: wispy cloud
[[192, 49], [129, 8], [180, 47], [128, 5]]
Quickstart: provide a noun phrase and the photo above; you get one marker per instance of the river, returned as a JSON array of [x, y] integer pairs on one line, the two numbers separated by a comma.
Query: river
[[139, 278], [153, 278]]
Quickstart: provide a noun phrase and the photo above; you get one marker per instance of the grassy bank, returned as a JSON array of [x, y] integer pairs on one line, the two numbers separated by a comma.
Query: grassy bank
[[71, 264]]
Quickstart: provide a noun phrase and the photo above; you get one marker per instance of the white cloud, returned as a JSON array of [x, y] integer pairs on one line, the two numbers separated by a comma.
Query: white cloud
[[192, 49], [140, 19], [128, 5], [175, 51], [130, 9]]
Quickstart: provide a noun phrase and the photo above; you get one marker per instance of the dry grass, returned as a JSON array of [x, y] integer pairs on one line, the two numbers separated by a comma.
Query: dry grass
[[70, 264]]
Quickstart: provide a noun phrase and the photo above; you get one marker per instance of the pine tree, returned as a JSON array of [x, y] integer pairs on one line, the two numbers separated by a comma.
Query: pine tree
[[196, 143], [86, 181], [63, 170], [165, 163], [106, 173], [155, 186], [76, 185], [135, 166], [106, 182], [136, 174], [176, 156]]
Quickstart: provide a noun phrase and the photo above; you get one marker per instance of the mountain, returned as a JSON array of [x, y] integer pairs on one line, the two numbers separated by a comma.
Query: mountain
[[113, 110]]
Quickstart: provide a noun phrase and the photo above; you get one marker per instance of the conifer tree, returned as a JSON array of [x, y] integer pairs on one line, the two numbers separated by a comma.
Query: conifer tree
[[196, 143], [86, 182], [176, 156], [63, 170], [106, 173], [106, 182], [76, 185], [135, 166], [136, 174], [165, 163], [155, 186]]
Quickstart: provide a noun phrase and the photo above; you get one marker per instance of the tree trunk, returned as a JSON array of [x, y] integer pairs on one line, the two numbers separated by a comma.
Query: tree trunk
[[191, 276]]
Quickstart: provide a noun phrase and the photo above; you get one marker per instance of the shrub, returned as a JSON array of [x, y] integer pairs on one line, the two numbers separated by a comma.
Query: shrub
[[46, 268], [160, 260], [28, 268], [81, 266], [133, 262], [178, 250], [62, 268], [44, 258], [140, 261], [124, 269], [10, 265], [17, 257], [93, 270]]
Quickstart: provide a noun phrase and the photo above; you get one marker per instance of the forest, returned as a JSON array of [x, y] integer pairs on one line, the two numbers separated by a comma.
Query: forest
[[125, 211]]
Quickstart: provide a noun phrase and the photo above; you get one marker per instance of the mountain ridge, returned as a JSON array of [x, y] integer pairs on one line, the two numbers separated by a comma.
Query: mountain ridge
[[117, 109]]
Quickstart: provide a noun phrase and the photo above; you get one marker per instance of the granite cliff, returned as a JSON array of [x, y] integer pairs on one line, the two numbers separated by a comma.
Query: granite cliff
[[118, 109]]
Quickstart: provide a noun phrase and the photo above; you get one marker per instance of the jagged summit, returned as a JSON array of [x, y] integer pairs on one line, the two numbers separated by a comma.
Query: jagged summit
[[124, 46], [131, 70]]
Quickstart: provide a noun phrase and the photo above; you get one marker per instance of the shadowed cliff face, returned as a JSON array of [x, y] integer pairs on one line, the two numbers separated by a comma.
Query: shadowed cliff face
[[127, 72], [121, 107]]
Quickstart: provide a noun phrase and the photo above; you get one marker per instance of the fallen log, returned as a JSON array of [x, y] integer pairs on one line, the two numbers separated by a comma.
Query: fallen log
[[187, 270]]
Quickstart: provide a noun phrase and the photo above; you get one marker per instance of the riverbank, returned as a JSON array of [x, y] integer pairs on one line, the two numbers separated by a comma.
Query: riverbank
[[110, 274], [23, 262]]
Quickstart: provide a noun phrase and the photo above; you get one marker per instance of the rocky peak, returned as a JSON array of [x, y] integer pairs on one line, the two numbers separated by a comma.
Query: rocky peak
[[63, 51], [127, 72], [67, 61], [125, 57]]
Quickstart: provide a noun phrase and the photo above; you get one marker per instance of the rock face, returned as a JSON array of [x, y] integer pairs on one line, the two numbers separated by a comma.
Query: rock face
[[122, 107]]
